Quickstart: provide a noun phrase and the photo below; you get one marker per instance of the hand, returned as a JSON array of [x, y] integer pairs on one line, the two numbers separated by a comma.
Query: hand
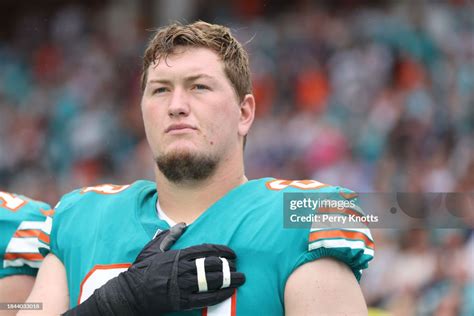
[[168, 280], [162, 280]]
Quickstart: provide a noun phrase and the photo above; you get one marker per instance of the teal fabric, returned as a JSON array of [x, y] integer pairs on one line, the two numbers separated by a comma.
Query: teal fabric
[[29, 213], [94, 234]]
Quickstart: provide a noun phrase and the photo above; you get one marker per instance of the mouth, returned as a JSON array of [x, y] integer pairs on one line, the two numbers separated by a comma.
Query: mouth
[[180, 128]]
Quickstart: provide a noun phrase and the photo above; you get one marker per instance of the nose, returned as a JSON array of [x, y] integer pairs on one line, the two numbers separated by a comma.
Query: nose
[[178, 105]]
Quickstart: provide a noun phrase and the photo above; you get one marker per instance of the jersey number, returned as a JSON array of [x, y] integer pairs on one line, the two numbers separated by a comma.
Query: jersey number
[[277, 185], [100, 274], [106, 189], [11, 202]]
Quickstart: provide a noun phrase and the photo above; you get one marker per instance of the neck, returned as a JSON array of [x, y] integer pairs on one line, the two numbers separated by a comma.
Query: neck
[[186, 201]]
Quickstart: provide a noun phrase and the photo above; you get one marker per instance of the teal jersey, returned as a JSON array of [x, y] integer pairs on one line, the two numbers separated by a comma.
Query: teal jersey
[[23, 231], [97, 233]]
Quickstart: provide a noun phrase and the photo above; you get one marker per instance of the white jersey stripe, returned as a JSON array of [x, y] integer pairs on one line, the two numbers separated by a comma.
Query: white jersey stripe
[[23, 245], [20, 263], [364, 231], [47, 225], [341, 243], [31, 225], [221, 309]]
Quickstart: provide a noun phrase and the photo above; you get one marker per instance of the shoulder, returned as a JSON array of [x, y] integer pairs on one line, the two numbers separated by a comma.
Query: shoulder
[[320, 214], [19, 206], [104, 194], [305, 186], [16, 202], [295, 189], [285, 185], [298, 191], [81, 214], [278, 193]]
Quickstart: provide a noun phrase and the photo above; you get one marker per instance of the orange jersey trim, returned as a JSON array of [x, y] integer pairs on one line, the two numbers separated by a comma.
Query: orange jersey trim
[[25, 256], [348, 196], [100, 267], [3, 201], [323, 234], [27, 233], [49, 212], [43, 237], [281, 184], [233, 304], [105, 189]]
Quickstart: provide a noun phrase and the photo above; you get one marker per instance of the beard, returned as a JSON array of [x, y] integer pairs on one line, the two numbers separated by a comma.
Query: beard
[[181, 167]]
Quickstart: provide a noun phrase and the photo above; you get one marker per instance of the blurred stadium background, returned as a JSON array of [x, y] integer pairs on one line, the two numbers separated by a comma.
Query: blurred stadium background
[[377, 96]]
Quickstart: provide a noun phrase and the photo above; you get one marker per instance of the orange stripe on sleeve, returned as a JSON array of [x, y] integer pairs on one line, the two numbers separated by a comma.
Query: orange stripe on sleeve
[[43, 237], [27, 233], [25, 256], [322, 234]]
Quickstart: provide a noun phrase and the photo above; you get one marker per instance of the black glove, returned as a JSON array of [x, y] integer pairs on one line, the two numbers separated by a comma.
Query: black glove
[[161, 281]]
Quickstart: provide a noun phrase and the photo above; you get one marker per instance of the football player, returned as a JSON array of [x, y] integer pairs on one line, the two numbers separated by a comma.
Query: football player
[[22, 222], [25, 226], [198, 107]]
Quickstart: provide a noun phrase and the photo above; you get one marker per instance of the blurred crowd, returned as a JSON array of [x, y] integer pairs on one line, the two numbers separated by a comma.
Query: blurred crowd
[[375, 97]]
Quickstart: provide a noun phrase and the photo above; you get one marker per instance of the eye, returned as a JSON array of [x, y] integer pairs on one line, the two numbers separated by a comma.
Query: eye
[[200, 87], [159, 90]]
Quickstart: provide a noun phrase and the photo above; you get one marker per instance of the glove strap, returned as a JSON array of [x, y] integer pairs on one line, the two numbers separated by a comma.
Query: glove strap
[[174, 292], [225, 273], [201, 275]]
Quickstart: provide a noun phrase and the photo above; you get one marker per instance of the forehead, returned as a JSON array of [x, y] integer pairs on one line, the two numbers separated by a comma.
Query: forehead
[[186, 61]]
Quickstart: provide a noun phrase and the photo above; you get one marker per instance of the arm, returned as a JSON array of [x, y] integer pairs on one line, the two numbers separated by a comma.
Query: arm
[[323, 287], [50, 288], [15, 289]]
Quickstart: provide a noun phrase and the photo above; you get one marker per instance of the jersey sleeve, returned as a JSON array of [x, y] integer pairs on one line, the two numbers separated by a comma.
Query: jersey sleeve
[[51, 235], [68, 210], [44, 237], [342, 239], [21, 228]]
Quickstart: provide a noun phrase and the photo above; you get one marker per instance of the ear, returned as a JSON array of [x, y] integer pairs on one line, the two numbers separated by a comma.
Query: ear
[[247, 114]]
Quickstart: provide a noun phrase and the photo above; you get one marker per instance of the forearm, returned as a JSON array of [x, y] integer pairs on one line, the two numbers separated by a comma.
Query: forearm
[[15, 289], [50, 289]]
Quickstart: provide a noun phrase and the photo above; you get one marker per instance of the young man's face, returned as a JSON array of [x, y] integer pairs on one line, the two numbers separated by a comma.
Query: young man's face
[[190, 107]]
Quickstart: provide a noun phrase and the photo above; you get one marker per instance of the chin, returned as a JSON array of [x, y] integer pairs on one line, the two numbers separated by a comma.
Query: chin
[[181, 165], [181, 150], [183, 147]]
